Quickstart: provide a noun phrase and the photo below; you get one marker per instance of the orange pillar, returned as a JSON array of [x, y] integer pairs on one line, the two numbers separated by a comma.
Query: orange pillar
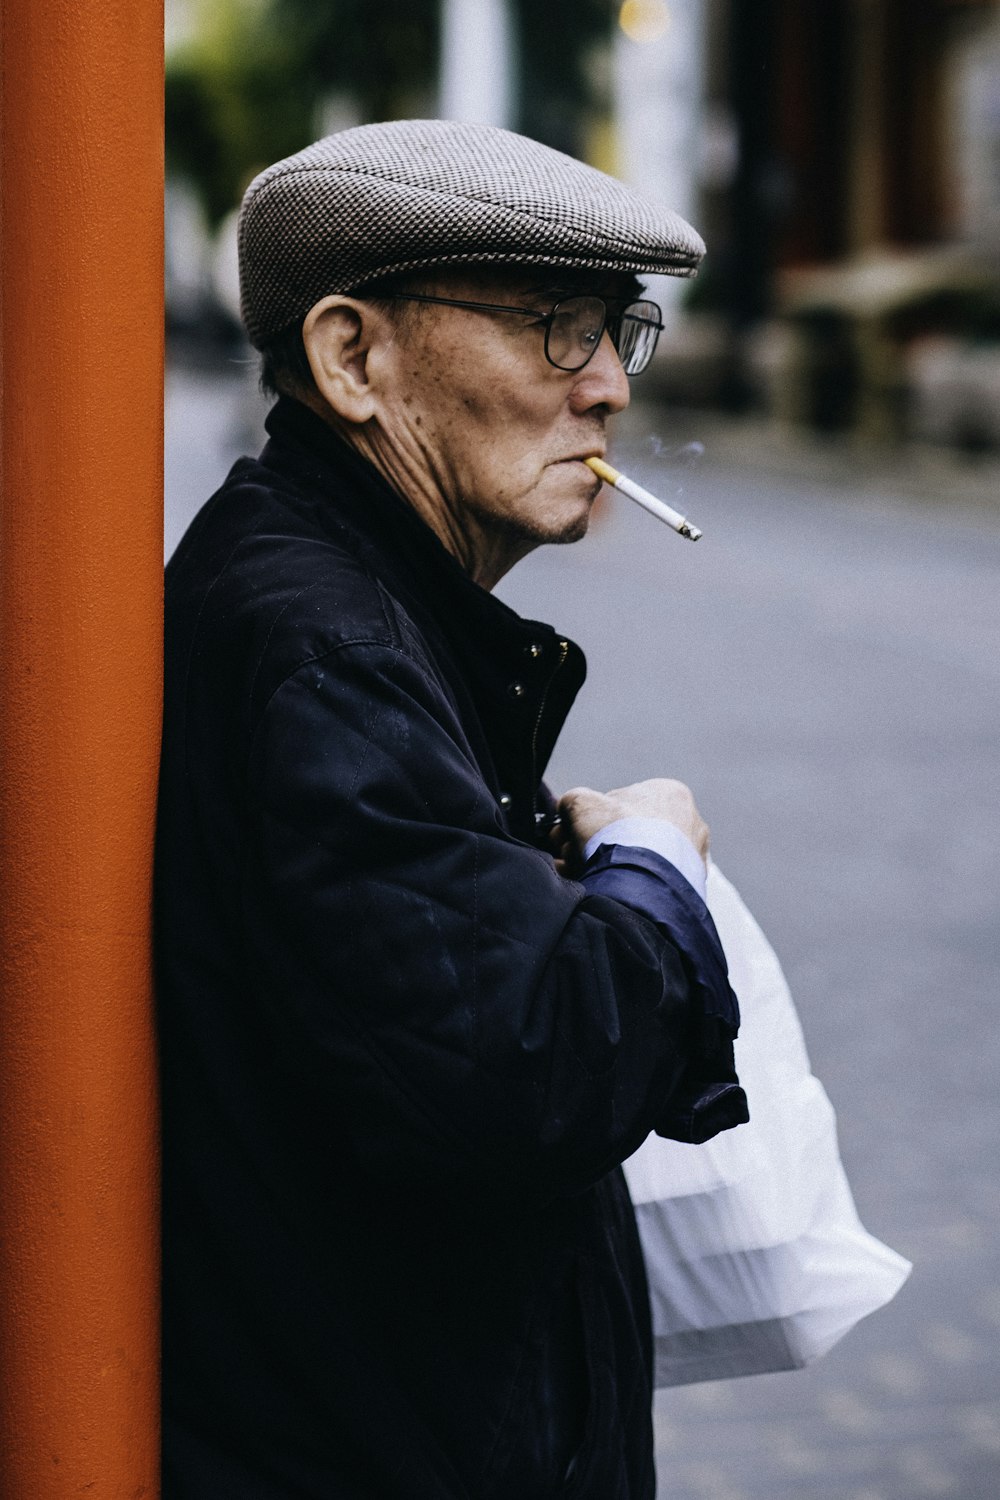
[[80, 601]]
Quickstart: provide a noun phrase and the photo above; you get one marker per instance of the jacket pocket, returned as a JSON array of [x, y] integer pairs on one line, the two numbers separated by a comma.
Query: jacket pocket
[[544, 1437], [590, 1470]]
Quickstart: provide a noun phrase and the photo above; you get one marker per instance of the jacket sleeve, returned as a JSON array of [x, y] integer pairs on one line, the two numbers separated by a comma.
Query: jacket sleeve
[[469, 1010], [708, 1099]]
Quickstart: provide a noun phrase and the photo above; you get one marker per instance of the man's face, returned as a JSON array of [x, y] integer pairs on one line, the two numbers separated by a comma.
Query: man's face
[[497, 432]]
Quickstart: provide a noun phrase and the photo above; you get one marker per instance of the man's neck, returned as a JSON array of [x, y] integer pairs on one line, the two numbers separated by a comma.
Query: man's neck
[[485, 554]]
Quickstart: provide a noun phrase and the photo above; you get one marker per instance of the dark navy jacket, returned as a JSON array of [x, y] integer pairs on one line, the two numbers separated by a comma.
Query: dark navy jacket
[[402, 1058]]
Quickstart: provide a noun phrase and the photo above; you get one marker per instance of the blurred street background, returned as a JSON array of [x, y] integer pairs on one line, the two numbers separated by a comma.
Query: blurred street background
[[823, 667]]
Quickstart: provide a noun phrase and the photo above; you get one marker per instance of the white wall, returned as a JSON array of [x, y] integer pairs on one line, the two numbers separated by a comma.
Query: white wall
[[976, 130], [658, 93], [476, 80]]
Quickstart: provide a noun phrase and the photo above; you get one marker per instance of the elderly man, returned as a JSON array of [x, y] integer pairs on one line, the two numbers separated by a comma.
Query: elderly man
[[411, 1022]]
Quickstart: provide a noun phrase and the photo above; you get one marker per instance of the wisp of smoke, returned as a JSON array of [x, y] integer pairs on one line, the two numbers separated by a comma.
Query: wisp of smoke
[[683, 457], [686, 455]]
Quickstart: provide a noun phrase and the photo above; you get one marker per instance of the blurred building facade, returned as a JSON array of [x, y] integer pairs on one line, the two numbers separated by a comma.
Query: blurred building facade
[[854, 282], [842, 158]]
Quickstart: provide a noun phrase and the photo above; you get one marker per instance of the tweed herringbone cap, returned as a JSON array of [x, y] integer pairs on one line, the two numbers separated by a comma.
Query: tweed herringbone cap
[[382, 199]]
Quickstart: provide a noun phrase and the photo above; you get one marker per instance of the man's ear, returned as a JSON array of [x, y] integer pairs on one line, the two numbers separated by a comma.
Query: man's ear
[[337, 334]]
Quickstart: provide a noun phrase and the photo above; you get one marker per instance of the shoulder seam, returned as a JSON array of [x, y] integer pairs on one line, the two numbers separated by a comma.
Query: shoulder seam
[[273, 626], [396, 651]]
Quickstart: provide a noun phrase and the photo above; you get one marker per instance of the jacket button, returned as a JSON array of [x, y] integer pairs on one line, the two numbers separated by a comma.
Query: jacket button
[[516, 689], [534, 650], [505, 799]]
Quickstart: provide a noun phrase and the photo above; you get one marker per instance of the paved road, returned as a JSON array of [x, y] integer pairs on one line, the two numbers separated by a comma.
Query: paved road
[[823, 668]]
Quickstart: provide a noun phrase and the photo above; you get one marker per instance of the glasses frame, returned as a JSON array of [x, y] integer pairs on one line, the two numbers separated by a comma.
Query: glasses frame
[[611, 324]]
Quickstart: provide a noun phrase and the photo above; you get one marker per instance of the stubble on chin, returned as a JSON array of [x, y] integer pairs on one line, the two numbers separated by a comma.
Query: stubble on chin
[[526, 532], [555, 533], [504, 539], [574, 531]]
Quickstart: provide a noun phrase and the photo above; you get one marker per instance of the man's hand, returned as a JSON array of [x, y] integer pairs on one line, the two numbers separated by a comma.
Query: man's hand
[[584, 812]]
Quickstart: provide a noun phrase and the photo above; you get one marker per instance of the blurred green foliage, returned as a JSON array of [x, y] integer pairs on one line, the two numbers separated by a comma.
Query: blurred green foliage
[[383, 53], [232, 104], [251, 84]]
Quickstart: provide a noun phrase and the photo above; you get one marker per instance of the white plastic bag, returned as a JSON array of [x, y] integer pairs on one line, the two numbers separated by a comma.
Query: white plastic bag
[[755, 1254]]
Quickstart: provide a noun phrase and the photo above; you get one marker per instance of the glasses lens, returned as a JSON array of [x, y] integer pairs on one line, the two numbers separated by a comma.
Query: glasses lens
[[636, 335], [574, 332]]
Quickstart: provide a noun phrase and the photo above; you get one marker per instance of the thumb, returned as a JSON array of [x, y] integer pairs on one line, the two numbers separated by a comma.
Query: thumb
[[575, 800], [578, 809]]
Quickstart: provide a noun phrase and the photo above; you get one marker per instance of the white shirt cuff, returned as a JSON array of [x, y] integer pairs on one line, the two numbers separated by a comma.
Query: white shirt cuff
[[662, 838]]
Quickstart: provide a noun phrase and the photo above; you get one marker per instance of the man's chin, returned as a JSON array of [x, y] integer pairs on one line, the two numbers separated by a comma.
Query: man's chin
[[558, 532], [573, 531], [570, 520], [529, 532]]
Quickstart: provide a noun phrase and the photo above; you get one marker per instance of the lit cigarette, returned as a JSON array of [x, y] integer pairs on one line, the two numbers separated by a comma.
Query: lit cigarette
[[643, 497]]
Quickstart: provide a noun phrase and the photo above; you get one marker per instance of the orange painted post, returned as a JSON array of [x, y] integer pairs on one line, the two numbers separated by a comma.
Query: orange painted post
[[80, 601]]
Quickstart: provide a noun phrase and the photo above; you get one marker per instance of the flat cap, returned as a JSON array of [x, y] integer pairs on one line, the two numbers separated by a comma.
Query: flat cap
[[382, 199]]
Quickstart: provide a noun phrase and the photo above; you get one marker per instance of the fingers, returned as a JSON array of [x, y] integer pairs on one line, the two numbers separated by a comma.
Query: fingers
[[579, 802], [560, 846], [577, 817], [584, 812]]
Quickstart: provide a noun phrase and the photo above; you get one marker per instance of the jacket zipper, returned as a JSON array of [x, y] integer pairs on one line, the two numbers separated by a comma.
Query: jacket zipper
[[563, 654]]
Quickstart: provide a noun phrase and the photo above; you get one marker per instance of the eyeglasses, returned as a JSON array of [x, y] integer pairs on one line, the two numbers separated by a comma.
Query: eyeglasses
[[575, 326]]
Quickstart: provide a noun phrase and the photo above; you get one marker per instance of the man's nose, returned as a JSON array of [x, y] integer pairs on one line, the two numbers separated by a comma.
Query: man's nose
[[601, 382]]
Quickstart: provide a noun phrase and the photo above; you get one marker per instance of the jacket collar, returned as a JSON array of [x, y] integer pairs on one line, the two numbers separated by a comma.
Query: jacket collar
[[522, 675]]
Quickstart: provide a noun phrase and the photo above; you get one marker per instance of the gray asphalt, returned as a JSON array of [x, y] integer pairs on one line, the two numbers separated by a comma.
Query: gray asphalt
[[823, 669]]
